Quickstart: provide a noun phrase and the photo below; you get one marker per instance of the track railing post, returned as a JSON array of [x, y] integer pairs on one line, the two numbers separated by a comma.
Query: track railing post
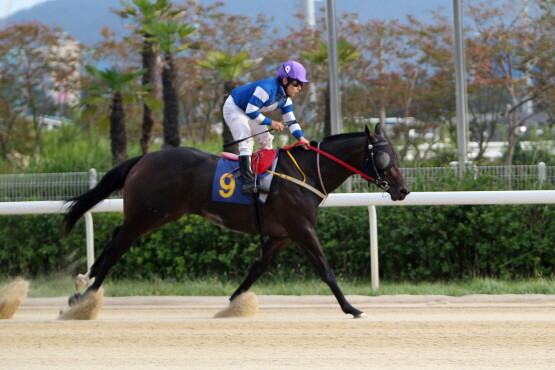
[[89, 228], [89, 236], [374, 267], [92, 178], [542, 174]]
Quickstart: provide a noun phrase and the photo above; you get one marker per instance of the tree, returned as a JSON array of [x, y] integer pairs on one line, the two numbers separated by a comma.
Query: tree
[[227, 67], [200, 89], [427, 86], [513, 50], [116, 87], [168, 35], [542, 68], [145, 12], [32, 70], [346, 53]]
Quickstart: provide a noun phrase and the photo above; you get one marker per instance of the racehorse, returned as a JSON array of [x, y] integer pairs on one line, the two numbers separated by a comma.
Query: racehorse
[[162, 186]]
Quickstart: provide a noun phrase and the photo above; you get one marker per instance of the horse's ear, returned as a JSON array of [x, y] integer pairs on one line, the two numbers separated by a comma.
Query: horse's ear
[[370, 134], [378, 129]]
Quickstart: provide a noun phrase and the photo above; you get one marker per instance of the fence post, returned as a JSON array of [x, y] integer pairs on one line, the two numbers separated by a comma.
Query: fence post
[[92, 178], [542, 174], [89, 228], [374, 268], [89, 237]]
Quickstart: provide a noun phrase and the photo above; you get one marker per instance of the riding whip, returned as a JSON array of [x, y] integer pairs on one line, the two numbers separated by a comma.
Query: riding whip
[[260, 133], [245, 138]]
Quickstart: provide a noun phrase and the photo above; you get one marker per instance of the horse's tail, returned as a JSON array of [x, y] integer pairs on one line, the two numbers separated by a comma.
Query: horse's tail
[[113, 180]]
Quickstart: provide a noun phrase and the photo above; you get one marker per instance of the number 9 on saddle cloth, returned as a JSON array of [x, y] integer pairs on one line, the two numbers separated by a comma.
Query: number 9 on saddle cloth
[[227, 182]]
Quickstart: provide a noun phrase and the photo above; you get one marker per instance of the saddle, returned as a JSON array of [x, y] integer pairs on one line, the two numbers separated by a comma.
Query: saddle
[[261, 160]]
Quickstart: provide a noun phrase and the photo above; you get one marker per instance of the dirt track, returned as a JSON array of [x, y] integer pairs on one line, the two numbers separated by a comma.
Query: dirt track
[[289, 332]]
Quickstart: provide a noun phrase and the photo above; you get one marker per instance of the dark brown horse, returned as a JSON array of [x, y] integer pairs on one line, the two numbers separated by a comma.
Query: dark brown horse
[[162, 186]]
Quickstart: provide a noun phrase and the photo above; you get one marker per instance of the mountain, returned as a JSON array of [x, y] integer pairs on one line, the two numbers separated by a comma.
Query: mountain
[[83, 19]]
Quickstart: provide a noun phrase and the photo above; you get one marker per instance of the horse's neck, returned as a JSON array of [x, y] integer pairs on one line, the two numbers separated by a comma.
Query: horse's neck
[[332, 173]]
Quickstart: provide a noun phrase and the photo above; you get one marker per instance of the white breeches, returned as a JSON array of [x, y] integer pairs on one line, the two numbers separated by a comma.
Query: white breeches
[[242, 126]]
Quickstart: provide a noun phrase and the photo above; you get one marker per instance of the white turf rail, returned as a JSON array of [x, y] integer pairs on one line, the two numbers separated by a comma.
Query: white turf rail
[[370, 200], [334, 200], [54, 206], [442, 198]]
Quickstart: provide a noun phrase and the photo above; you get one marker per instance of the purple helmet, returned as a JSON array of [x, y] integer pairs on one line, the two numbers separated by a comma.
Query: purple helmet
[[293, 70]]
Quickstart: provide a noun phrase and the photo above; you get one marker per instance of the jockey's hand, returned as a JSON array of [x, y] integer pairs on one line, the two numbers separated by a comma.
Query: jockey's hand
[[277, 126], [304, 142]]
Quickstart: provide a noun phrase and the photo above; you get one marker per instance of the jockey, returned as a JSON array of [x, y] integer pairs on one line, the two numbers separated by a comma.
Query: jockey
[[242, 112]]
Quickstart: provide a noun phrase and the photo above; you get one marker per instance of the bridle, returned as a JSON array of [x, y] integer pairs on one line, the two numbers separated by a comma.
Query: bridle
[[369, 160], [381, 157]]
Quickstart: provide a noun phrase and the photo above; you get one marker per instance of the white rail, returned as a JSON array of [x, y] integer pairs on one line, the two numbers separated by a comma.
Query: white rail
[[53, 207], [370, 200], [443, 198]]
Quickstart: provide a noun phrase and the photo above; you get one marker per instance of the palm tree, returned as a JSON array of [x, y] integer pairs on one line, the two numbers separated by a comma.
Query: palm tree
[[227, 67], [166, 36], [114, 86], [145, 12], [346, 53]]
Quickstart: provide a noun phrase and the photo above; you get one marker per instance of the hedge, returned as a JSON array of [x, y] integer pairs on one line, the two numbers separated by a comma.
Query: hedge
[[415, 243]]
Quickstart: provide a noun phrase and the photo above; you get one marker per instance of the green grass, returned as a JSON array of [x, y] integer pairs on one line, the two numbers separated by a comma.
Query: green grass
[[62, 285]]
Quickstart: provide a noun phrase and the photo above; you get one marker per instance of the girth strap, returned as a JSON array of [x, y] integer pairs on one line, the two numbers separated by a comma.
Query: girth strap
[[257, 215]]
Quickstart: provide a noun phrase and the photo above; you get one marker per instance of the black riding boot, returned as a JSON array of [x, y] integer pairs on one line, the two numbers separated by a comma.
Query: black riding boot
[[248, 177], [249, 183]]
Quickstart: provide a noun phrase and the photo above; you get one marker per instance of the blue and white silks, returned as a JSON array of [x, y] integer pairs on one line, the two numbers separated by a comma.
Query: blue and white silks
[[265, 96]]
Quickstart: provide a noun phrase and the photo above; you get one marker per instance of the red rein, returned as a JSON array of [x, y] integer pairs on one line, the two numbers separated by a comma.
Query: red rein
[[333, 158]]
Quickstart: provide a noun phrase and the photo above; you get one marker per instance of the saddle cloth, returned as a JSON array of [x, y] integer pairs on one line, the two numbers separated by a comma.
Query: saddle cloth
[[227, 182]]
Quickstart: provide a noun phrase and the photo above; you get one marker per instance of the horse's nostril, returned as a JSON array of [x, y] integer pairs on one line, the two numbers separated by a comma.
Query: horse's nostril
[[404, 191]]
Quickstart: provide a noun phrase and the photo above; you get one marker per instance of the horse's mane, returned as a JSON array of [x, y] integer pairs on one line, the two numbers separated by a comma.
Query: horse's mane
[[348, 135]]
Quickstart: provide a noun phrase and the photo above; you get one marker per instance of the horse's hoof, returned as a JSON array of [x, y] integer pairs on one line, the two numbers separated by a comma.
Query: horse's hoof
[[74, 299], [81, 281], [360, 315]]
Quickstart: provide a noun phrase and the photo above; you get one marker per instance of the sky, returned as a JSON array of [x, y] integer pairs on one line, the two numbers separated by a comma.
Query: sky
[[11, 6], [87, 30], [8, 7]]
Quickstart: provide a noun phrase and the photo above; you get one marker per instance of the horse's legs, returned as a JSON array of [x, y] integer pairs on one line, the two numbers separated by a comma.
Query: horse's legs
[[83, 279], [310, 245], [268, 252], [121, 241]]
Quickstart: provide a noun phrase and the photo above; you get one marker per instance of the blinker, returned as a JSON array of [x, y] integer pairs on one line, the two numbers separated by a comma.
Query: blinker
[[382, 160]]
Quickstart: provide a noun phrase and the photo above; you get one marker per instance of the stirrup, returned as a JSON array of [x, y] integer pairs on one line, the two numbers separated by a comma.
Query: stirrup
[[248, 188], [262, 189]]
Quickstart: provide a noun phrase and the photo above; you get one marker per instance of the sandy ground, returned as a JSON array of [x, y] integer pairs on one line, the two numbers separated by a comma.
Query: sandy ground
[[289, 332]]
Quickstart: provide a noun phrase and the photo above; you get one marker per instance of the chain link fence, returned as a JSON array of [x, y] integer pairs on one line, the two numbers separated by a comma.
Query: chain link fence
[[455, 178], [46, 186], [63, 186]]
